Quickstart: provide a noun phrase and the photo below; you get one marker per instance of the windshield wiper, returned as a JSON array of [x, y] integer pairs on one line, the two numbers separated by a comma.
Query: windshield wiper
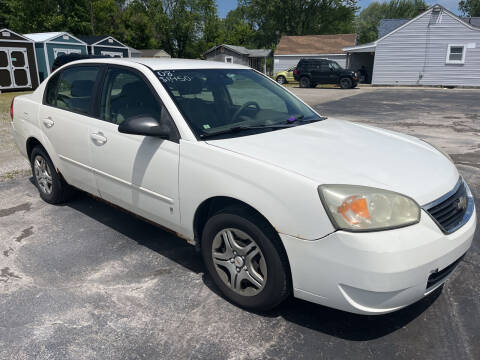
[[300, 118], [236, 129]]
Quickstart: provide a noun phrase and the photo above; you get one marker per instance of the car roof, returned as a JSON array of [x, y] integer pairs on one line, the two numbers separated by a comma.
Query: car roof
[[167, 63]]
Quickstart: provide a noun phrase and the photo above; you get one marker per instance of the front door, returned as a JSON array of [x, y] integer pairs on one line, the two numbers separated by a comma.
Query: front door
[[65, 121], [139, 173]]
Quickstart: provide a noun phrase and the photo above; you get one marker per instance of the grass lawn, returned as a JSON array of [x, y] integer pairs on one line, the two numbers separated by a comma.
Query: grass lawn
[[5, 101]]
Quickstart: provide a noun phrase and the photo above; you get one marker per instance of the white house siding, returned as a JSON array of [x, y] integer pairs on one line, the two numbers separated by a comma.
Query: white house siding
[[283, 62], [416, 54]]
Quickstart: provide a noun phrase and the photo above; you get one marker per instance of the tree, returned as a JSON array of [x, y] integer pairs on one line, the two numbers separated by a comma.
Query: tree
[[469, 7], [273, 18], [369, 18], [237, 28]]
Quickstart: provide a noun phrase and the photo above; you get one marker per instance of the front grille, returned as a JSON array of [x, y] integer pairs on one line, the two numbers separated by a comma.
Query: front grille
[[438, 276], [449, 211]]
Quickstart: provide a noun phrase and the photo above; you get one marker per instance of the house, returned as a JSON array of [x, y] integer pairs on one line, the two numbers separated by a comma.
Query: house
[[434, 48], [18, 64], [50, 45], [291, 49], [255, 58], [105, 45], [155, 53]]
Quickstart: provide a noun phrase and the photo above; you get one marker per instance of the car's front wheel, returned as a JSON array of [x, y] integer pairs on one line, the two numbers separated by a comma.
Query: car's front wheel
[[281, 79], [346, 83], [51, 186], [245, 259]]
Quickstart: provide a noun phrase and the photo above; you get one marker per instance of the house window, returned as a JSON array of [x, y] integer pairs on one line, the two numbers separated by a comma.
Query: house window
[[456, 54], [229, 59]]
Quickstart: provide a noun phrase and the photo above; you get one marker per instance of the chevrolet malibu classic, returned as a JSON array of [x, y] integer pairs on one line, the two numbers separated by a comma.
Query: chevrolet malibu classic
[[278, 199]]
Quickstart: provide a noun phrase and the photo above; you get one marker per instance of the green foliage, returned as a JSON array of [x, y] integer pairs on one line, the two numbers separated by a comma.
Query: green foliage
[[469, 7], [184, 28], [369, 18], [274, 18]]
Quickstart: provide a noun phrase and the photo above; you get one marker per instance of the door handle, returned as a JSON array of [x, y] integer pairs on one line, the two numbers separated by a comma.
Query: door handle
[[99, 138], [48, 122]]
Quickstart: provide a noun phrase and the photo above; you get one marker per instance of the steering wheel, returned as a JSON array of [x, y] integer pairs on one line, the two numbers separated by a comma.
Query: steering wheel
[[243, 107]]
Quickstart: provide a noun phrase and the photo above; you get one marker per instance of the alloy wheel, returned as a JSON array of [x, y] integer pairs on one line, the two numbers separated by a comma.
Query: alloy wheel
[[43, 174]]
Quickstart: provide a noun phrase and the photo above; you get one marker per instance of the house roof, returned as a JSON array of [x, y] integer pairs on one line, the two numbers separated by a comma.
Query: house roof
[[154, 53], [315, 44], [386, 26], [242, 50], [47, 36], [14, 33], [471, 23]]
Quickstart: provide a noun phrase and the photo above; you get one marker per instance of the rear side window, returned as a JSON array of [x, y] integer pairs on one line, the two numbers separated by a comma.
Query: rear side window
[[72, 89], [125, 95]]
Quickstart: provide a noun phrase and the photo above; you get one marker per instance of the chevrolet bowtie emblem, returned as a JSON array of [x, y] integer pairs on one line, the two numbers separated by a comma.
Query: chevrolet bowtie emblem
[[462, 203]]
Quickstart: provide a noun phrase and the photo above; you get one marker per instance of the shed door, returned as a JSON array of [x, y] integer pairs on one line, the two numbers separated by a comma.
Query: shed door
[[5, 72], [14, 69]]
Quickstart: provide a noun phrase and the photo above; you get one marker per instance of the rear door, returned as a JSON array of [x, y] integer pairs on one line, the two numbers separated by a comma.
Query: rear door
[[65, 119], [138, 173]]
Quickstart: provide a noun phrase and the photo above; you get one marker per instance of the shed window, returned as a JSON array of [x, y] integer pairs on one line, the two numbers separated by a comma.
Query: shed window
[[456, 54], [229, 59]]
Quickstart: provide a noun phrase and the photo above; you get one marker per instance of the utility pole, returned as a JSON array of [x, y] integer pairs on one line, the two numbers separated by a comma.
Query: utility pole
[[91, 17]]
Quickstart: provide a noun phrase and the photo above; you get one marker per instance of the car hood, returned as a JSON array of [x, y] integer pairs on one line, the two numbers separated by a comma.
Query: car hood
[[342, 152]]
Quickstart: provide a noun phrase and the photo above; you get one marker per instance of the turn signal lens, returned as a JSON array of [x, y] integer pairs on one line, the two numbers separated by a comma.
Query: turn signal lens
[[354, 208], [361, 208]]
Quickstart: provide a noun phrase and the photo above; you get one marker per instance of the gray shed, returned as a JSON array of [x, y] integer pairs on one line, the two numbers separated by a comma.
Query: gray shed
[[255, 58], [435, 48]]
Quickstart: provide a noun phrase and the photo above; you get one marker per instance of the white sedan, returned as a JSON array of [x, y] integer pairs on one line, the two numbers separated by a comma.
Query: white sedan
[[279, 199]]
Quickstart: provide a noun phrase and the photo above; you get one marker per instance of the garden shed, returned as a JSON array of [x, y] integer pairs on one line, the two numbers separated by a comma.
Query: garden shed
[[105, 45], [18, 66], [50, 45]]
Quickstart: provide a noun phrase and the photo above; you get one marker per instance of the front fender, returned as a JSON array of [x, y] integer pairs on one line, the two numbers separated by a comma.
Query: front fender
[[289, 201]]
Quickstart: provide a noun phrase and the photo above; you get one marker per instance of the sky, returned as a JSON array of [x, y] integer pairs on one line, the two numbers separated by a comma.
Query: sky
[[224, 6]]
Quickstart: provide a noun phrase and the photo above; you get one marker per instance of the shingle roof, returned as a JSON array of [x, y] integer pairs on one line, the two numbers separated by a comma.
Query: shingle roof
[[243, 50], [154, 53], [386, 26], [474, 21], [315, 44]]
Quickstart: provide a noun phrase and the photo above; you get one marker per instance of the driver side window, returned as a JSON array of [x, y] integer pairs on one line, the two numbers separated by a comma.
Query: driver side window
[[125, 94]]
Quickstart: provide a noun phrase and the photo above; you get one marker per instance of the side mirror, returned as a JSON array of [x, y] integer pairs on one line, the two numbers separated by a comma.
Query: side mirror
[[145, 125]]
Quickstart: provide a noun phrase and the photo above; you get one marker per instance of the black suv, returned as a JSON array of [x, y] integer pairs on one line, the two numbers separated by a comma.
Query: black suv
[[310, 72]]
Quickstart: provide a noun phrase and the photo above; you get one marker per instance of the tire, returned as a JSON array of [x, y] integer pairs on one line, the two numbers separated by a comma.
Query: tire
[[52, 187], [281, 79], [354, 85], [245, 228], [304, 82], [313, 85], [346, 83]]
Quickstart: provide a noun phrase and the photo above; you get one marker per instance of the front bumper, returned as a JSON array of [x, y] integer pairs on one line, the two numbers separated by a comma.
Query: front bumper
[[375, 272]]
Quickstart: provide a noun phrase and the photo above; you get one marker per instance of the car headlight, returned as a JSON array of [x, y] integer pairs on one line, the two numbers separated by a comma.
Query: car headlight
[[362, 208], [439, 150]]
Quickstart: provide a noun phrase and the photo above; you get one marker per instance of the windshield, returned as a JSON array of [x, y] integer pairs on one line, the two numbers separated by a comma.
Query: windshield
[[216, 100], [335, 65]]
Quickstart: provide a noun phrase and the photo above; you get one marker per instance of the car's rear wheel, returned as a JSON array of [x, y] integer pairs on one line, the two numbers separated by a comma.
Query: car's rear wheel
[[281, 79], [245, 260], [346, 83], [51, 186], [304, 82]]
